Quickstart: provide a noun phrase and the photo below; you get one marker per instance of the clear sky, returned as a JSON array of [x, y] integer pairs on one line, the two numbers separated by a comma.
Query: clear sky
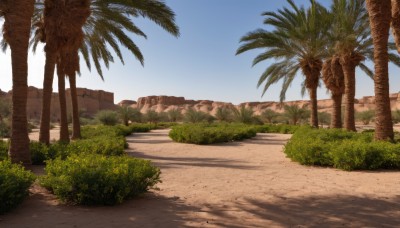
[[200, 64]]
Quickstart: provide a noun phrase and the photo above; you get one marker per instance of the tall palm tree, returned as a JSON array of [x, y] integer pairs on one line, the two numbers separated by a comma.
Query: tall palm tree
[[396, 22], [333, 77], [380, 17], [296, 43], [17, 22], [352, 45], [106, 27]]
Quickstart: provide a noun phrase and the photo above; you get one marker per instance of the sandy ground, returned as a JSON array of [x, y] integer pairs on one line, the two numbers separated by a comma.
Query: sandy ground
[[240, 184]]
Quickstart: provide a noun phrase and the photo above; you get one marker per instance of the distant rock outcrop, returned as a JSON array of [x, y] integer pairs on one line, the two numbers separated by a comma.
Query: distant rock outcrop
[[89, 102], [166, 103]]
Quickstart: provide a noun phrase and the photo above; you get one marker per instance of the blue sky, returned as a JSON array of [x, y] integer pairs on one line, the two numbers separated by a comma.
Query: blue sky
[[200, 64]]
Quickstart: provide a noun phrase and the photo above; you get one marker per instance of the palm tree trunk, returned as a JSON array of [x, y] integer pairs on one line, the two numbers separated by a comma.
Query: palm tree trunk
[[314, 106], [64, 134], [349, 71], [396, 22], [380, 17], [44, 135], [17, 26], [336, 120], [76, 126]]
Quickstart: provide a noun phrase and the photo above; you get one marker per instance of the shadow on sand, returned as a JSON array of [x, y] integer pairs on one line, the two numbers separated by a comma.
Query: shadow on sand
[[176, 162]]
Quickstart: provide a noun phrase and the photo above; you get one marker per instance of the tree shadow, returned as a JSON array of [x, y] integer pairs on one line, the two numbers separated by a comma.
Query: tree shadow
[[176, 162], [148, 210], [323, 211]]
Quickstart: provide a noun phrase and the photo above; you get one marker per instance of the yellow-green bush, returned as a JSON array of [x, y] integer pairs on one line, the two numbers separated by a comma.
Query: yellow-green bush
[[14, 185], [94, 179], [211, 133], [342, 149]]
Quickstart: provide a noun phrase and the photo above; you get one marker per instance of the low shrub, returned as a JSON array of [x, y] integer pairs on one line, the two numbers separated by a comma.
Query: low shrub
[[107, 117], [4, 145], [39, 152], [277, 128], [211, 133], [342, 149], [96, 179], [14, 185]]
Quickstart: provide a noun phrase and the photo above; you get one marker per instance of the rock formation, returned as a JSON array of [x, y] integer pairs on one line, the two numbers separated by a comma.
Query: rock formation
[[166, 103], [89, 101]]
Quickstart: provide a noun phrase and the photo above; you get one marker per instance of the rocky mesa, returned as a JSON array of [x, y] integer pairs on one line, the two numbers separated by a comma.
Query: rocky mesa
[[166, 103]]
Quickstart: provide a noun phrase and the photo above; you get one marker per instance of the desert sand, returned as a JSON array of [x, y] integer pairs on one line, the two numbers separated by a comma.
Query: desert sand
[[238, 184]]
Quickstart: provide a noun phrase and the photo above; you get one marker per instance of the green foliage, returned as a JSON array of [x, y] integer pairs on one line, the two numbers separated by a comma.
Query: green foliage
[[5, 128], [244, 115], [107, 117], [39, 152], [277, 128], [127, 114], [193, 116], [365, 116], [396, 116], [342, 149], [224, 115], [269, 116], [4, 145], [99, 180], [174, 115], [14, 185], [296, 114], [211, 133], [152, 117], [324, 118]]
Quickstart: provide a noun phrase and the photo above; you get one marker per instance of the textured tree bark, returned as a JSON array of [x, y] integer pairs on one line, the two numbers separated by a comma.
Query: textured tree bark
[[314, 106], [336, 118], [44, 134], [349, 71], [64, 134], [17, 25], [396, 22], [380, 18], [76, 126]]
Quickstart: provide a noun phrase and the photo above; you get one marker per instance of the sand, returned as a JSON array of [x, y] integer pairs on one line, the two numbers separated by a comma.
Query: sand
[[238, 184]]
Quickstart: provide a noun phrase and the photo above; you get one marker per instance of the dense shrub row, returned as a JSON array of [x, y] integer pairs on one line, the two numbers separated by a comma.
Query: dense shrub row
[[14, 185], [96, 179], [277, 128], [342, 149], [211, 133]]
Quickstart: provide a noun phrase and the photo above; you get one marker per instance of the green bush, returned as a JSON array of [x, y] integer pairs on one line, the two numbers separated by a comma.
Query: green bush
[[107, 117], [14, 185], [342, 149], [39, 152], [96, 179], [4, 145], [211, 133], [277, 128]]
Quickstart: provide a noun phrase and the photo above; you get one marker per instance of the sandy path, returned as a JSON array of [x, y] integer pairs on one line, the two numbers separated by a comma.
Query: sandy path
[[241, 184]]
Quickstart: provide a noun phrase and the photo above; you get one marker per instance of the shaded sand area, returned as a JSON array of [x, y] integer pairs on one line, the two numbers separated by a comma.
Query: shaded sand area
[[239, 184]]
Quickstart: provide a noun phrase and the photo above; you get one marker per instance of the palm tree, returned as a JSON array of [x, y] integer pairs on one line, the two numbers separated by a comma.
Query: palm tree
[[243, 115], [295, 113], [352, 44], [223, 114], [396, 22], [269, 115], [16, 29], [296, 43], [62, 33], [333, 77], [106, 26], [380, 17]]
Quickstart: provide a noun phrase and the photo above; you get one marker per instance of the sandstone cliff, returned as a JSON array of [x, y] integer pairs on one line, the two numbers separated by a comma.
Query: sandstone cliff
[[89, 101], [166, 103]]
